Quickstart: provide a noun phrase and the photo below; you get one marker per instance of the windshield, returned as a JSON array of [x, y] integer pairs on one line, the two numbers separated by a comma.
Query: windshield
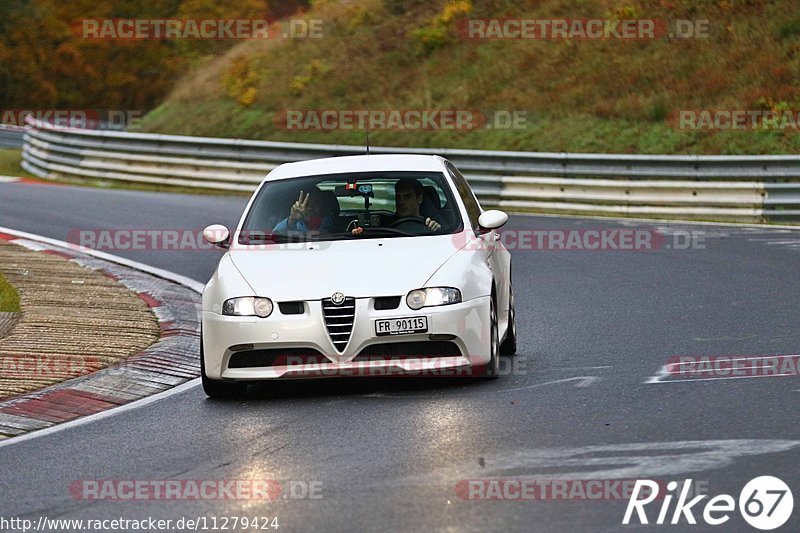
[[352, 206]]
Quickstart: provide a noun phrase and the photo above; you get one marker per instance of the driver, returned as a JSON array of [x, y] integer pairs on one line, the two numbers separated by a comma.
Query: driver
[[407, 199]]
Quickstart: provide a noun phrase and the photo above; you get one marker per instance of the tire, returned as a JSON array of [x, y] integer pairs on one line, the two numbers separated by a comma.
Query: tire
[[215, 388], [509, 346], [492, 370]]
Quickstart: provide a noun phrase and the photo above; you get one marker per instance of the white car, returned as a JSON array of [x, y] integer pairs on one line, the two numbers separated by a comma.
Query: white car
[[360, 265]]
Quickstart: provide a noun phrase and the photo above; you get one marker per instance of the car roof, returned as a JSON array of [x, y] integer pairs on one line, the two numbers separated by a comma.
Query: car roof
[[358, 163]]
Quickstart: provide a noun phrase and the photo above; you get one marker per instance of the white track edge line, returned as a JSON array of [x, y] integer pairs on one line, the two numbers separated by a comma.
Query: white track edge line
[[101, 415]]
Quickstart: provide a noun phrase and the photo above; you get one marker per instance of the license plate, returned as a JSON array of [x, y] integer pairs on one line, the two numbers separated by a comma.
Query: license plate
[[401, 326]]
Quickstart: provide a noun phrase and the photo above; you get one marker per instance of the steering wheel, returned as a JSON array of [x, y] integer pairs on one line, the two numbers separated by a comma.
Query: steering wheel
[[409, 220]]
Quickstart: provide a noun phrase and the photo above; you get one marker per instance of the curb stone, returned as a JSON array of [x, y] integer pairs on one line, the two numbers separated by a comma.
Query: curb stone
[[172, 360], [7, 322]]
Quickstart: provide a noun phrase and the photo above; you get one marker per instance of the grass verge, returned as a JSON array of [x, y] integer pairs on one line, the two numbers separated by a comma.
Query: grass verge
[[10, 159], [9, 298]]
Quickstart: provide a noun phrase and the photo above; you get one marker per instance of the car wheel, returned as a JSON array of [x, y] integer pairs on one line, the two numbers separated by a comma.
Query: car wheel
[[215, 388], [509, 346], [492, 370]]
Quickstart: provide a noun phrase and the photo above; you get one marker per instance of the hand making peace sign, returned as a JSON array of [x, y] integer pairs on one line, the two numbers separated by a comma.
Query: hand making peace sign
[[299, 208]]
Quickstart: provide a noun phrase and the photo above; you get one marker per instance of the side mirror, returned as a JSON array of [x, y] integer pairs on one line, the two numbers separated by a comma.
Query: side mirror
[[492, 219], [217, 234]]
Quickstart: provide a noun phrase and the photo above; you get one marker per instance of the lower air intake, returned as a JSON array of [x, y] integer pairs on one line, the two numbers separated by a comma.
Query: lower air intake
[[408, 350], [276, 357]]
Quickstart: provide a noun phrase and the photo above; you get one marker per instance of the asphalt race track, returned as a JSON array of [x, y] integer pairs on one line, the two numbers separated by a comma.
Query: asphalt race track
[[586, 397]]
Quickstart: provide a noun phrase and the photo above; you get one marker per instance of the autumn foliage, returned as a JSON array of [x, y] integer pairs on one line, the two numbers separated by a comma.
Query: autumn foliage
[[46, 64]]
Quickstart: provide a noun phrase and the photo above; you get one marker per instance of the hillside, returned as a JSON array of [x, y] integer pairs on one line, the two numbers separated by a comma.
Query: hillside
[[47, 62], [589, 95]]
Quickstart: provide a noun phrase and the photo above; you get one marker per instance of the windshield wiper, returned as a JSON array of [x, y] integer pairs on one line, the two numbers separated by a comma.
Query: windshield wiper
[[277, 238], [368, 233], [391, 231], [334, 236], [270, 238]]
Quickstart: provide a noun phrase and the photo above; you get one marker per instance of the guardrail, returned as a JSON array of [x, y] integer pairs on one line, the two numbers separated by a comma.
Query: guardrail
[[11, 137], [725, 188]]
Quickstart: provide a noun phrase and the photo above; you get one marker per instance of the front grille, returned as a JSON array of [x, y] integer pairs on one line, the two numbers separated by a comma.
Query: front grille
[[276, 357], [408, 350], [339, 320], [383, 303]]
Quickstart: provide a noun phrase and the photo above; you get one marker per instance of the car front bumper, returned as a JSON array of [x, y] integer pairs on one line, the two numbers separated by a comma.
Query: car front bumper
[[466, 324]]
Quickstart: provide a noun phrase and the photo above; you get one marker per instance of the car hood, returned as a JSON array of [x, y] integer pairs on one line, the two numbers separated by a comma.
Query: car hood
[[369, 267]]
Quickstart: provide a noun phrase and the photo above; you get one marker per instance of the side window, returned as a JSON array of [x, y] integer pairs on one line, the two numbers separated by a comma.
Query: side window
[[473, 208]]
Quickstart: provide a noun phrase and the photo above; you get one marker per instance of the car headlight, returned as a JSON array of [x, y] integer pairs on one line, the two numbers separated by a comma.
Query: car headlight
[[432, 296], [248, 306]]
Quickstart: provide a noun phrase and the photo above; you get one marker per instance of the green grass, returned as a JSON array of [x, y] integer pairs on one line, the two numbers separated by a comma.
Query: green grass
[[9, 298], [10, 159], [580, 96]]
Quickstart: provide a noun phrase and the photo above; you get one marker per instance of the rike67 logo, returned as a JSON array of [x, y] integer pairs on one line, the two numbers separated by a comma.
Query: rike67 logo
[[765, 503]]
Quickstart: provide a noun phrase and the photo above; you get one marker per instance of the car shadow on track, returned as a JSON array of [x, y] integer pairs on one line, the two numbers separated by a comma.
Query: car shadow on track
[[377, 387]]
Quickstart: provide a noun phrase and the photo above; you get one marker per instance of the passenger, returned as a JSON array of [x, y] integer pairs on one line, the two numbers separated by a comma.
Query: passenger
[[307, 214]]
